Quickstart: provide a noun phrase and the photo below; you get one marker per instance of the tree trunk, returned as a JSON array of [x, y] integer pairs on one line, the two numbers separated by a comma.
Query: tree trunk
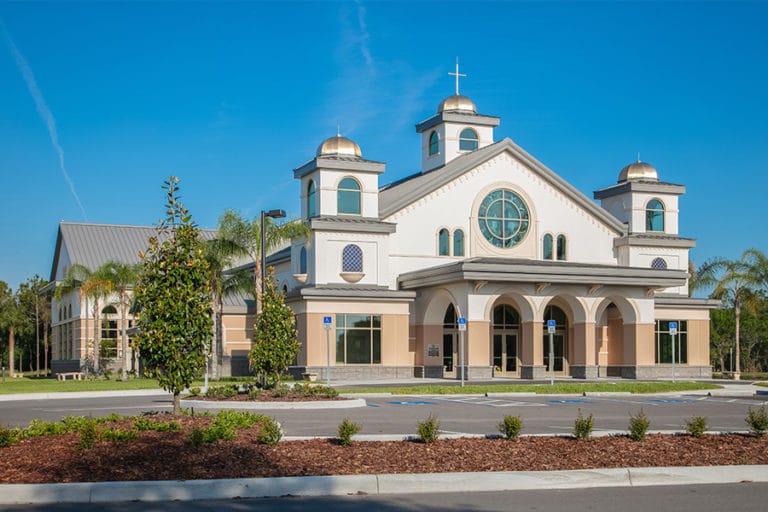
[[45, 347], [96, 336], [11, 342], [123, 337], [737, 314], [37, 337], [86, 334], [176, 403]]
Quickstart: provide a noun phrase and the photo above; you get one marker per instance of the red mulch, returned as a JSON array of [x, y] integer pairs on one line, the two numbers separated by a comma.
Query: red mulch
[[170, 456]]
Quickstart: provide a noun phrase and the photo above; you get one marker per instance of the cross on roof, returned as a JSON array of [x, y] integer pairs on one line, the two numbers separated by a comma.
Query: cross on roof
[[457, 75]]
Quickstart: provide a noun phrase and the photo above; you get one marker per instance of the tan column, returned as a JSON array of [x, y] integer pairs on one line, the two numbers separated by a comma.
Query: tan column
[[531, 348], [315, 340], [583, 344], [394, 341], [478, 343], [698, 342]]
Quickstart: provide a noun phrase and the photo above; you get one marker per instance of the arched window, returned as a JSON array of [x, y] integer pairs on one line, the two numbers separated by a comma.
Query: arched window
[[69, 314], [311, 199], [561, 249], [352, 259], [458, 243], [443, 245], [285, 289], [450, 319], [109, 310], [659, 264], [505, 317], [468, 140], [434, 144], [303, 261], [547, 253], [654, 216], [349, 196]]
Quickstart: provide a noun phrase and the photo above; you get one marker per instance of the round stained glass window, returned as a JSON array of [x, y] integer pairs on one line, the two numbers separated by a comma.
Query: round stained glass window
[[503, 218]]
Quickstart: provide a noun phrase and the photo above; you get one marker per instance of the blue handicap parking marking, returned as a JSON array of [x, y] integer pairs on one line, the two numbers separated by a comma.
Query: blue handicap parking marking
[[671, 401], [373, 405], [411, 403], [569, 401]]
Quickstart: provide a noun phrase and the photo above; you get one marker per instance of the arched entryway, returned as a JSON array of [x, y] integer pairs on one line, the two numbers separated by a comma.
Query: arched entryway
[[450, 342], [559, 340], [505, 339]]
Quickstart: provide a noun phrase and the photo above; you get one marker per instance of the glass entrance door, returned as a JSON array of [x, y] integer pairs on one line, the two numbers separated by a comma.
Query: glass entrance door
[[505, 352], [449, 354], [559, 352]]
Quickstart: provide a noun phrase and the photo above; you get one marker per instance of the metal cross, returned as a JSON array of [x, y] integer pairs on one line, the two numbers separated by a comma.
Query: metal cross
[[457, 75]]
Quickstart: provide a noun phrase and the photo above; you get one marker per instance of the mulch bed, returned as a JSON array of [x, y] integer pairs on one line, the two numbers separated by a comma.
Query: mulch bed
[[170, 456]]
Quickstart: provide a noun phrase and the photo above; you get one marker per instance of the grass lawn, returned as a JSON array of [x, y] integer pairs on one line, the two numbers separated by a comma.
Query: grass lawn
[[543, 389], [48, 385]]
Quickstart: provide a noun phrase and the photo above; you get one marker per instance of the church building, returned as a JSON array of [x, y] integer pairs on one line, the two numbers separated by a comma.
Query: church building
[[467, 268]]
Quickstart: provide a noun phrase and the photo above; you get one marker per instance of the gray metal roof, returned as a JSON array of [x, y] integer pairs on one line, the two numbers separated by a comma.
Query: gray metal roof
[[400, 194], [349, 223], [93, 245]]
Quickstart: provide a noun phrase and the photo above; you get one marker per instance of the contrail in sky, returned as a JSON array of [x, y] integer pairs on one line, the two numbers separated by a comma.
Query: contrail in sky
[[43, 110]]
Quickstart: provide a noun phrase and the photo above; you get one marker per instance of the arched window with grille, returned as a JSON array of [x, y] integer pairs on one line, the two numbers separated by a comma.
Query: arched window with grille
[[352, 259], [659, 264], [654, 216]]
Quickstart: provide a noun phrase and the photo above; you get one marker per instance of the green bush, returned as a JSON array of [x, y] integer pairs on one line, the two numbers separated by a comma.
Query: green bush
[[254, 393], [88, 435], [271, 432], [116, 435], [158, 426], [8, 436], [211, 434], [346, 430], [757, 419], [582, 427], [305, 388], [235, 420], [38, 428], [194, 391], [221, 391], [511, 426], [111, 417], [429, 429], [638, 426], [696, 426]]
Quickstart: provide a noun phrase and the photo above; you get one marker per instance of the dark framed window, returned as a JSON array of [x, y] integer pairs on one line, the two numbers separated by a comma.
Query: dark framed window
[[503, 218], [654, 216], [659, 264], [303, 260], [443, 243], [663, 343], [352, 259], [468, 140], [348, 196], [561, 248], [311, 199], [458, 242], [434, 144], [358, 339], [547, 249]]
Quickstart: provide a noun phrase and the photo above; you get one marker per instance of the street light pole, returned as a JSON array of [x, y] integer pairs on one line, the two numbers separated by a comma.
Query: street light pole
[[274, 214]]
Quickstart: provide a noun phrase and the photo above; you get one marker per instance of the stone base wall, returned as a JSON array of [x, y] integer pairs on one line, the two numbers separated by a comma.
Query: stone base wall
[[234, 366], [362, 372], [533, 372], [583, 372], [665, 372]]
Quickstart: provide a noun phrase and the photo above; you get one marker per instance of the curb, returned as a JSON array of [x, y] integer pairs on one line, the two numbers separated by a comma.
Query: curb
[[320, 404], [84, 394], [190, 490]]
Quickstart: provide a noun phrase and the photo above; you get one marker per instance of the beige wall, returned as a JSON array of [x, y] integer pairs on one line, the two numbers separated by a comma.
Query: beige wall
[[237, 334], [583, 344], [532, 348], [395, 347], [698, 342], [639, 347], [478, 343], [429, 335]]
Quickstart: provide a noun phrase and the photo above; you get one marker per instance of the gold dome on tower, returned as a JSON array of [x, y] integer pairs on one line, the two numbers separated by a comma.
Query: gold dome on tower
[[638, 171], [457, 102], [339, 146]]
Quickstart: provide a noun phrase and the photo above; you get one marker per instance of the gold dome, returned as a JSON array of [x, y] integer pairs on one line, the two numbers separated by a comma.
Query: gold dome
[[457, 102], [638, 171], [339, 146]]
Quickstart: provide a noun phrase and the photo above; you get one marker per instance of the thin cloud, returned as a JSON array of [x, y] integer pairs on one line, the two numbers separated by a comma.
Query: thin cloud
[[43, 111]]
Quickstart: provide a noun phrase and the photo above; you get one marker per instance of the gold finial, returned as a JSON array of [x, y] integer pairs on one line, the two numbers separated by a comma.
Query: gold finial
[[457, 75]]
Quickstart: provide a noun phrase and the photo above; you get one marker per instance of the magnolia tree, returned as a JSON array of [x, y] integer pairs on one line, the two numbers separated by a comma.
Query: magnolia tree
[[276, 341], [174, 299]]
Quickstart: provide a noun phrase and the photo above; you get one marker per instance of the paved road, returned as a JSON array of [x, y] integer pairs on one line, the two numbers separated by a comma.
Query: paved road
[[693, 498], [397, 415]]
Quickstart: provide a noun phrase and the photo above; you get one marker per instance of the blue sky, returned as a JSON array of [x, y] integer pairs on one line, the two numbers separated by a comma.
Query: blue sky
[[231, 97]]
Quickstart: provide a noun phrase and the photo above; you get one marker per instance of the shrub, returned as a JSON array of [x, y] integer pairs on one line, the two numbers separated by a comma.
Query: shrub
[[8, 436], [254, 393], [638, 426], [43, 428], [116, 435], [582, 427], [197, 437], [157, 426], [194, 391], [271, 432], [511, 426], [211, 434], [346, 430], [88, 435], [221, 391], [429, 429], [237, 419], [696, 426], [757, 420]]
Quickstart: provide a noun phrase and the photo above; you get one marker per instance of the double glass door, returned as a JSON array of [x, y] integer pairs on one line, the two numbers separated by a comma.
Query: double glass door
[[450, 353], [505, 352]]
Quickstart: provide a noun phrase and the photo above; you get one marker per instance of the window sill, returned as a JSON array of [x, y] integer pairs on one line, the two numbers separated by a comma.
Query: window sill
[[352, 277]]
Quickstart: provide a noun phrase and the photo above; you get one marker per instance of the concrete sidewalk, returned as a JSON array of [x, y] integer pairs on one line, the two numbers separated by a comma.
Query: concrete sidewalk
[[104, 492]]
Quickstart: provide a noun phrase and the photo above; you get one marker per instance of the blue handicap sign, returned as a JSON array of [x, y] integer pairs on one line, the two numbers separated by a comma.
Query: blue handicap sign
[[673, 325], [551, 323], [327, 320], [462, 321]]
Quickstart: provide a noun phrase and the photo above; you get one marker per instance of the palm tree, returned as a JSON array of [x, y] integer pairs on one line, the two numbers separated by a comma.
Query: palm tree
[[246, 235], [121, 278], [9, 319], [734, 281], [759, 262]]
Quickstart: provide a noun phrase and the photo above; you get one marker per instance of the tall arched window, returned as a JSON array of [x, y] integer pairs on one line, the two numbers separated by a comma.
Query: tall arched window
[[443, 243], [561, 249], [547, 253], [654, 216], [352, 259], [311, 199], [458, 243], [434, 144], [468, 140], [349, 196], [303, 261]]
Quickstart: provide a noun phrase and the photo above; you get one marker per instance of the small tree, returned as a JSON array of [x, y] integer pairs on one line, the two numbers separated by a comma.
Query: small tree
[[174, 298], [276, 341]]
